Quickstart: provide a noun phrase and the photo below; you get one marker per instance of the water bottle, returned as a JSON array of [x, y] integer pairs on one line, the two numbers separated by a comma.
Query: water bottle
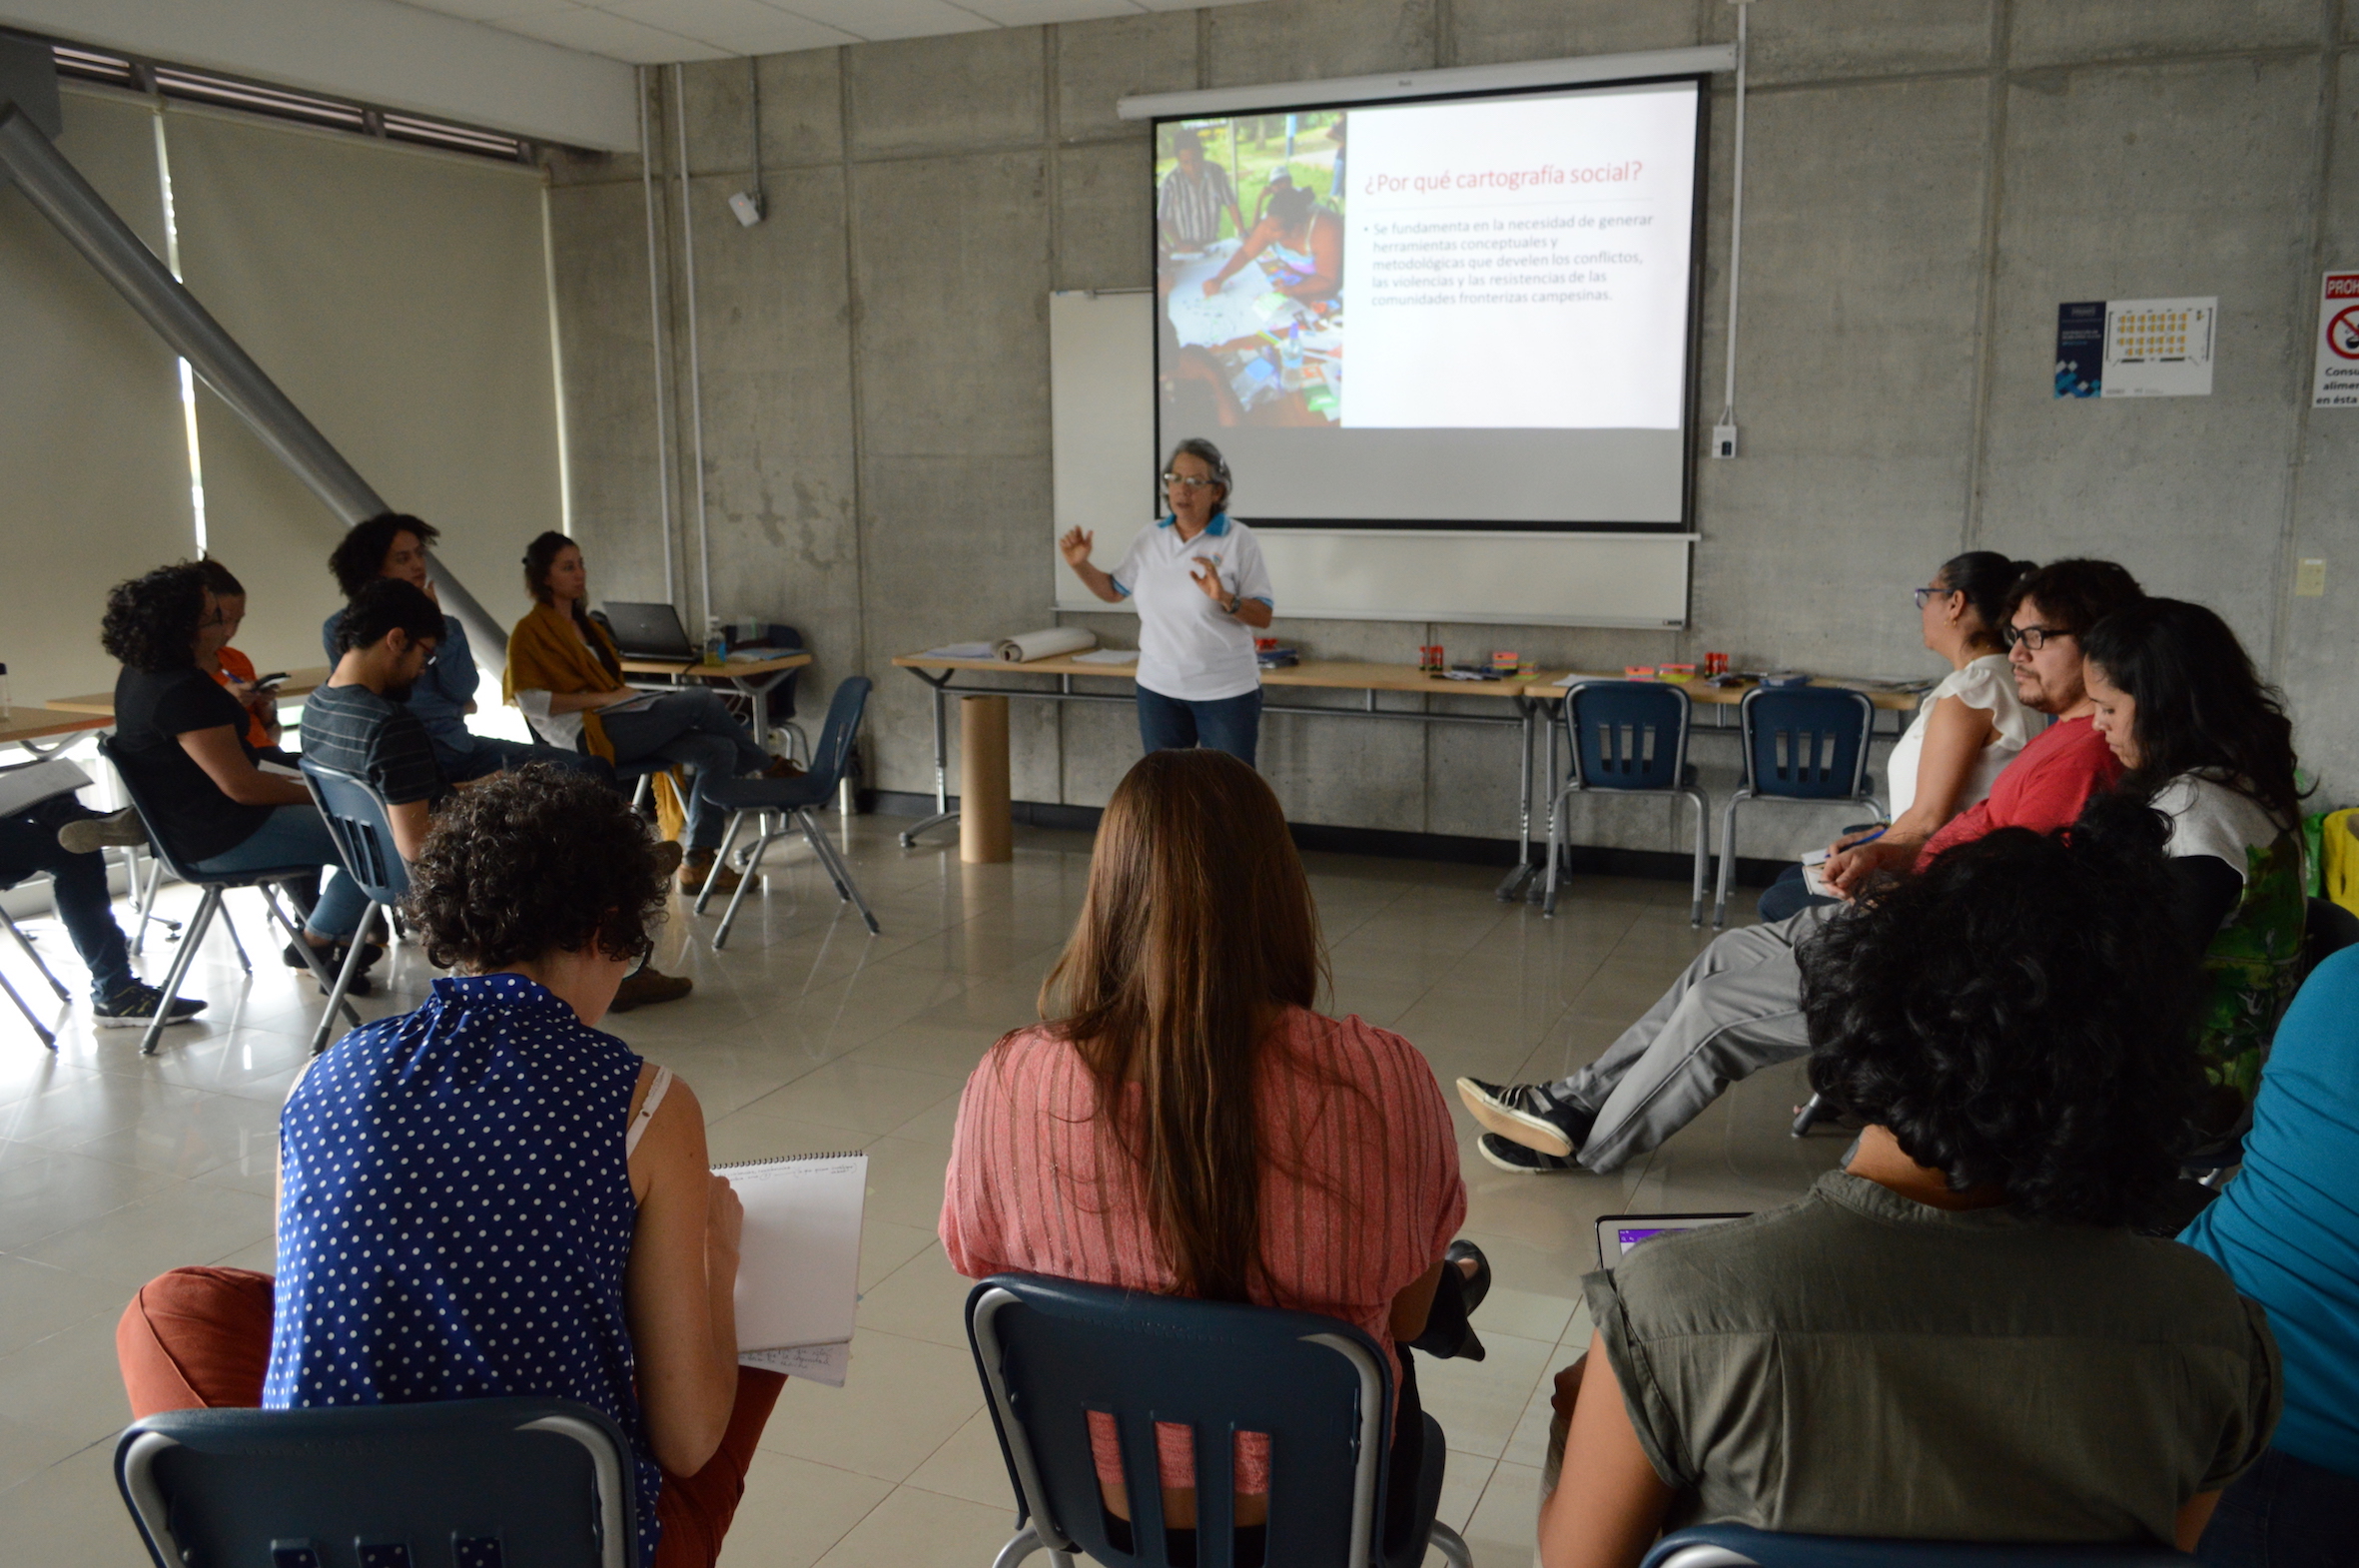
[[1291, 361], [5, 704]]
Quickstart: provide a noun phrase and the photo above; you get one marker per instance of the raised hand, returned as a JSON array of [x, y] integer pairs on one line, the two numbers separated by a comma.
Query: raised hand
[[1076, 546]]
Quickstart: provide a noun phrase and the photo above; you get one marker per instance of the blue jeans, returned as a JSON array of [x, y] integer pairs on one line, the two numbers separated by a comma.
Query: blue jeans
[[2281, 1513], [1230, 724], [465, 757], [28, 842], [697, 728], [1789, 896], [298, 836]]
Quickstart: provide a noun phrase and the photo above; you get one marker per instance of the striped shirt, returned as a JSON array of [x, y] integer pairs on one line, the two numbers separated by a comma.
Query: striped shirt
[[1191, 208], [354, 730], [1361, 1202]]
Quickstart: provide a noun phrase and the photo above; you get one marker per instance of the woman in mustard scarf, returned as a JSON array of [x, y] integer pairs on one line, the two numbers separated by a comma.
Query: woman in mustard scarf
[[564, 672]]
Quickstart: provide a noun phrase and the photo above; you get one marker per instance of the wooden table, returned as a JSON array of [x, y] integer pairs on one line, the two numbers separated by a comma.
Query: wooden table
[[745, 675], [989, 719], [297, 685], [22, 726]]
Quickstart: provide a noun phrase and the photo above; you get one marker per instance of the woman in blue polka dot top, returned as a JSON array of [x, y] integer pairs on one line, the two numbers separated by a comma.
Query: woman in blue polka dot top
[[489, 1196]]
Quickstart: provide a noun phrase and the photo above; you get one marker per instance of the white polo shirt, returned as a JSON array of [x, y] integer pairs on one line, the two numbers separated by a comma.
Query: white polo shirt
[[1187, 648]]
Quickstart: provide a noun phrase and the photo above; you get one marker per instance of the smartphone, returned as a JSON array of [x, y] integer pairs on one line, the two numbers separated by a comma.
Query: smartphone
[[270, 682]]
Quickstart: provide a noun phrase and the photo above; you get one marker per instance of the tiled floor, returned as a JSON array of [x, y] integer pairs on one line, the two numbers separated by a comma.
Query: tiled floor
[[808, 1033]]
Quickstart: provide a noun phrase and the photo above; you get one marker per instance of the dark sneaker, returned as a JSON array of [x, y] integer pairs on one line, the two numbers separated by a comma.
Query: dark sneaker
[[648, 987], [134, 1007], [90, 834], [331, 958], [1524, 1114], [1510, 1155]]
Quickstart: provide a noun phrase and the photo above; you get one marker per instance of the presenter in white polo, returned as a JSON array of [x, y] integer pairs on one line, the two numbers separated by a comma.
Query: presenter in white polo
[[1202, 592]]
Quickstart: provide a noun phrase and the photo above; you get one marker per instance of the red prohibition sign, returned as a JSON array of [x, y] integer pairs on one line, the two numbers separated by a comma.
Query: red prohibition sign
[[2342, 334]]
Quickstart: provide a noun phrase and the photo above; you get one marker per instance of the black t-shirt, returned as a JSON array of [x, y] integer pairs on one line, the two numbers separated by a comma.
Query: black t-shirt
[[152, 712]]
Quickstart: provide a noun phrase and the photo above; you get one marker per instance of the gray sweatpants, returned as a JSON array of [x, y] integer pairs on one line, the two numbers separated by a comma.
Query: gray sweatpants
[[1736, 1010]]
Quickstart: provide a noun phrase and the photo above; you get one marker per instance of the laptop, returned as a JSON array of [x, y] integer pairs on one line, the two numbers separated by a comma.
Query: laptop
[[1618, 1233], [648, 631]]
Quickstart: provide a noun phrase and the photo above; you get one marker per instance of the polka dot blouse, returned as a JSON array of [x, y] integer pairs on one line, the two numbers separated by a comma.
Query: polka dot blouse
[[458, 1214]]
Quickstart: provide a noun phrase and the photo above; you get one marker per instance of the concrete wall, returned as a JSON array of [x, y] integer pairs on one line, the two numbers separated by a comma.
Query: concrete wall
[[1926, 181]]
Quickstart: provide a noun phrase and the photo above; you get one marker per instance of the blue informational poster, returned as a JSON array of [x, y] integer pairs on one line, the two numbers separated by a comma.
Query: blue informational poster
[[2080, 350]]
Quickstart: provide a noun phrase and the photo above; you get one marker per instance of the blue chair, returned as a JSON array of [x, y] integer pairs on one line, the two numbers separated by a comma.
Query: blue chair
[[525, 1482], [1629, 737], [214, 883], [1799, 743], [1742, 1546], [793, 799], [1049, 1351], [361, 825]]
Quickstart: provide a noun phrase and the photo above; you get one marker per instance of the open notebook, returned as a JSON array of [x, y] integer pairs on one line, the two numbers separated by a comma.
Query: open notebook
[[797, 1265]]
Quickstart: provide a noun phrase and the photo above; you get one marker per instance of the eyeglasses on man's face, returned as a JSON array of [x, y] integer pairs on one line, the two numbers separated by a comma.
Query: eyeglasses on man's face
[[2035, 638], [1186, 482]]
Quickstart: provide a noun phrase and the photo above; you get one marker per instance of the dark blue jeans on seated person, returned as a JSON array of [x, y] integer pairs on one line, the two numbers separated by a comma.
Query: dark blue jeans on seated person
[[1789, 896], [28, 844], [2283, 1512], [466, 756], [1230, 724], [298, 836], [695, 727]]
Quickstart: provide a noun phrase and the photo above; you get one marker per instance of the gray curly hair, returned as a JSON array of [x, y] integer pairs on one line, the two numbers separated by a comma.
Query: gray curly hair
[[1209, 456]]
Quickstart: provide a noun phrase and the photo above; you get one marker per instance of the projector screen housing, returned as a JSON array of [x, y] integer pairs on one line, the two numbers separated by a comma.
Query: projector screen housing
[[1474, 311]]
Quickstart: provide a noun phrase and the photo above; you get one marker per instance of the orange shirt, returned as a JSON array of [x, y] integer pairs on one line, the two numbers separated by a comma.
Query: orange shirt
[[1361, 1202], [237, 666]]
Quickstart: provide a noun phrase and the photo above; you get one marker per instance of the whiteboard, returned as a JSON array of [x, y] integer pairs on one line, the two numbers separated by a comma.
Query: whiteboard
[[1102, 408]]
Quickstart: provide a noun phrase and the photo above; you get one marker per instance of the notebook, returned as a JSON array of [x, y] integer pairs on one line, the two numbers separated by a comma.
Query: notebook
[[1618, 1233], [798, 1264]]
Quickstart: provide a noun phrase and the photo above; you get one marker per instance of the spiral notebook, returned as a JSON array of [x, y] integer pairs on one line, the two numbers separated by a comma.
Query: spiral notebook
[[798, 1264]]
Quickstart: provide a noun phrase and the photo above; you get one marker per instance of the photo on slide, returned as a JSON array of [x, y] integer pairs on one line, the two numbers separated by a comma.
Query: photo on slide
[[1249, 239]]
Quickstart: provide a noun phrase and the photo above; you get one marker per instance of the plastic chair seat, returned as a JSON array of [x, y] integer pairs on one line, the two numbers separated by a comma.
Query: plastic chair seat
[[1628, 737], [1742, 1546], [1800, 744], [760, 794], [795, 800]]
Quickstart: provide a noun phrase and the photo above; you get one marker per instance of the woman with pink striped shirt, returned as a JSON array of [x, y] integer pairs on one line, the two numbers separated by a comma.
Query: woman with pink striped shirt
[[1186, 1124]]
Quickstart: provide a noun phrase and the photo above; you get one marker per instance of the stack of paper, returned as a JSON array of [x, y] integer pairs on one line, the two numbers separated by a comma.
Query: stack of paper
[[959, 650], [797, 1265]]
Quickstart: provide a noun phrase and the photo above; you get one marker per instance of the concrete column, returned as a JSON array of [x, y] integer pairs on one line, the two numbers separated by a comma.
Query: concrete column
[[987, 828]]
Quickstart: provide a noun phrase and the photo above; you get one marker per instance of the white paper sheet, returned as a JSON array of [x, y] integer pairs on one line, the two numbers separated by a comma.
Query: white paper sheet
[[798, 1262], [959, 650], [1242, 308]]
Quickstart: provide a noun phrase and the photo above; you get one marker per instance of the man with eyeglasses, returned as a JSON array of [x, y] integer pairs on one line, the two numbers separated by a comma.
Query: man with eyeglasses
[[1738, 1008], [359, 722]]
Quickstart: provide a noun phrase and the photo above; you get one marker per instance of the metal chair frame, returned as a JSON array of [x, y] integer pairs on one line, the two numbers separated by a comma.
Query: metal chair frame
[[1622, 746], [214, 885], [1750, 785], [47, 1035], [790, 800], [371, 858]]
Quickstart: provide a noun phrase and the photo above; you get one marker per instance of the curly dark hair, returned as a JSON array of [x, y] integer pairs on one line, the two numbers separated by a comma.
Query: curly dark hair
[[358, 557], [531, 862], [2019, 1016], [2202, 706], [2073, 594], [152, 621]]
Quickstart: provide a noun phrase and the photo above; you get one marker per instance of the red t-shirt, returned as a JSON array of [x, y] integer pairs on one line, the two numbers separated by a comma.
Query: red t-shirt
[[2044, 789]]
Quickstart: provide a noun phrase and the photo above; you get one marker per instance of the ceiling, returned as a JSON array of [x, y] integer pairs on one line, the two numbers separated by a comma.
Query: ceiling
[[655, 32]]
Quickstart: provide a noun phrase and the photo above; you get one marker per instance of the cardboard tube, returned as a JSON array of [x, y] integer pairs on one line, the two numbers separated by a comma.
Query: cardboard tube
[[987, 828]]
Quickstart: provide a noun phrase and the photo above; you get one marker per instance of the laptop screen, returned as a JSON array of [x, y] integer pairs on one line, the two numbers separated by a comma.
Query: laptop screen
[[1618, 1233], [649, 628]]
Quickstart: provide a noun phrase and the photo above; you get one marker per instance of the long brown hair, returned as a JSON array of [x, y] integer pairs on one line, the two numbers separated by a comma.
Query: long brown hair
[[1199, 920]]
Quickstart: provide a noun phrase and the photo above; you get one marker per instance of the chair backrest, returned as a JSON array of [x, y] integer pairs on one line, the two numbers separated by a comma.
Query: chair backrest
[[1051, 1350], [2328, 930], [834, 750], [361, 825], [1628, 734], [1805, 742], [1742, 1546], [469, 1483], [110, 748]]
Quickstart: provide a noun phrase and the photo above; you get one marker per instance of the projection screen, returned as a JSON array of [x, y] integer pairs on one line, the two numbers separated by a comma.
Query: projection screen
[[1474, 313]]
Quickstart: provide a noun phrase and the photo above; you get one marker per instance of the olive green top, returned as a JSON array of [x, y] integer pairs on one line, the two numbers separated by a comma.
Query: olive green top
[[1858, 1364]]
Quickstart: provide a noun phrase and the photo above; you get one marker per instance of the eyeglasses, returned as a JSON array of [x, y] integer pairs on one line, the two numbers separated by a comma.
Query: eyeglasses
[[1187, 481], [2035, 638], [1922, 594]]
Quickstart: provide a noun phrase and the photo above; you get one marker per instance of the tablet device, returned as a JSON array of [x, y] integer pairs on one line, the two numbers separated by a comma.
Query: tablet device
[[1618, 1233]]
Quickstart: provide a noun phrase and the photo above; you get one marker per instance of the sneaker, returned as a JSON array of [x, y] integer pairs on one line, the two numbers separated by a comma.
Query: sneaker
[[1524, 1112], [91, 834], [1509, 1156], [698, 866], [331, 958], [134, 1007], [783, 768], [648, 987]]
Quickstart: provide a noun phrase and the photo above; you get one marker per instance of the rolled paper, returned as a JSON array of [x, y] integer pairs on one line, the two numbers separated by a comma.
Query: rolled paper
[[1045, 644]]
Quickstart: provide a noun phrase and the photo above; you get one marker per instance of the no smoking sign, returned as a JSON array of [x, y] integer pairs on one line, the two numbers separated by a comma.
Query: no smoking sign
[[2337, 377]]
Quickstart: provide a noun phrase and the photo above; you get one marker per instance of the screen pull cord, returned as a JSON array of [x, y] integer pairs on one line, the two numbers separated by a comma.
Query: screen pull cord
[[1724, 433]]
